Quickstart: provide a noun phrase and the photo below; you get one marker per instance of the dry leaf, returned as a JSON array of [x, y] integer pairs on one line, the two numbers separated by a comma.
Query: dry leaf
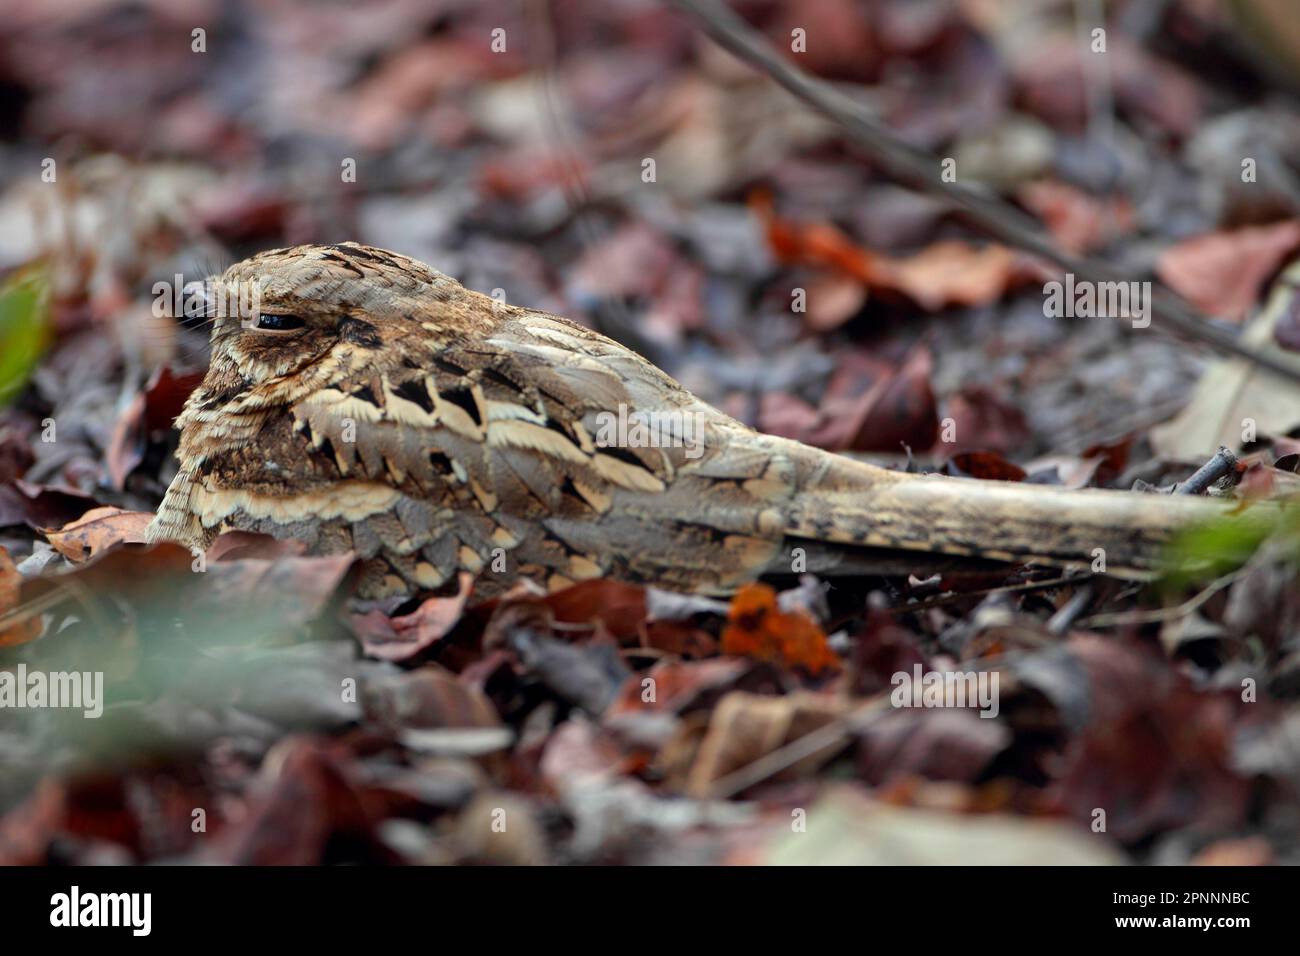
[[846, 828], [947, 273], [10, 583], [1222, 273], [406, 636], [950, 273], [988, 465], [1233, 393], [758, 628], [98, 529], [1079, 222], [832, 301], [745, 727], [153, 410], [428, 697]]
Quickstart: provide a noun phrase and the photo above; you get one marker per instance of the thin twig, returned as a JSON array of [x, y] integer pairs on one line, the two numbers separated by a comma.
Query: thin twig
[[786, 756], [949, 598], [917, 168], [1160, 615], [1221, 464], [1059, 623]]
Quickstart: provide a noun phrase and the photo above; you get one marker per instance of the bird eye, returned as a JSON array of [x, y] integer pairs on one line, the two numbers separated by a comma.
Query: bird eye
[[278, 323]]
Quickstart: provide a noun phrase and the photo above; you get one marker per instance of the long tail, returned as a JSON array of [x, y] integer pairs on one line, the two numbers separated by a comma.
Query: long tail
[[858, 504]]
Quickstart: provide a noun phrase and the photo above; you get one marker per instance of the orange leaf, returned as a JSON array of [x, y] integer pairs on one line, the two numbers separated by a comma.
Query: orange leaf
[[758, 628], [947, 273], [10, 582], [822, 245]]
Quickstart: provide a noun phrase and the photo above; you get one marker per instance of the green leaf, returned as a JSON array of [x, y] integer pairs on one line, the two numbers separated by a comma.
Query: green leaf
[[1211, 550], [24, 331]]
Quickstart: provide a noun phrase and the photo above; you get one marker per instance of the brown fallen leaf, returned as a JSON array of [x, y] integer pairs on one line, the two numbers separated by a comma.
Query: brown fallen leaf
[[1235, 397], [951, 272], [428, 697], [401, 638], [746, 727], [1079, 222], [987, 465], [10, 584], [40, 506], [96, 530], [869, 405], [954, 744], [1223, 273], [620, 607], [677, 685], [1150, 742], [1051, 78], [239, 545], [984, 419], [152, 410], [305, 810], [832, 301], [900, 410]]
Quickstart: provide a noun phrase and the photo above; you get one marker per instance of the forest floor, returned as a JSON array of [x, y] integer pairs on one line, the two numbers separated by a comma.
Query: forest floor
[[252, 714]]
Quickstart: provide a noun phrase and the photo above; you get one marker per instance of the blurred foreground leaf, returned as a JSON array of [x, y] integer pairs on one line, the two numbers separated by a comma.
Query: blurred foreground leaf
[[1211, 550], [24, 331]]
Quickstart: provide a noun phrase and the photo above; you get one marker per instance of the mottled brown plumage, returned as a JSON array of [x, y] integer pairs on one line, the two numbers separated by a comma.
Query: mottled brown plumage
[[432, 429]]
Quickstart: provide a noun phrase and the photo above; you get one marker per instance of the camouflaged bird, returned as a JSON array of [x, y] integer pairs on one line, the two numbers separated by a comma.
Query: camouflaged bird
[[375, 405]]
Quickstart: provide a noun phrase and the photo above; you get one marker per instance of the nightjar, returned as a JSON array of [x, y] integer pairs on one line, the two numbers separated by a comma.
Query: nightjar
[[372, 404]]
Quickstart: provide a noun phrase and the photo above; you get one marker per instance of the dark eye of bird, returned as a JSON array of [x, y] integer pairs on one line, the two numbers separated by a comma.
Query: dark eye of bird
[[278, 323]]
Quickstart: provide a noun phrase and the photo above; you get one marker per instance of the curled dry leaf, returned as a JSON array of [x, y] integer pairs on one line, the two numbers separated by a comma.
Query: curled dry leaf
[[401, 638], [98, 529]]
